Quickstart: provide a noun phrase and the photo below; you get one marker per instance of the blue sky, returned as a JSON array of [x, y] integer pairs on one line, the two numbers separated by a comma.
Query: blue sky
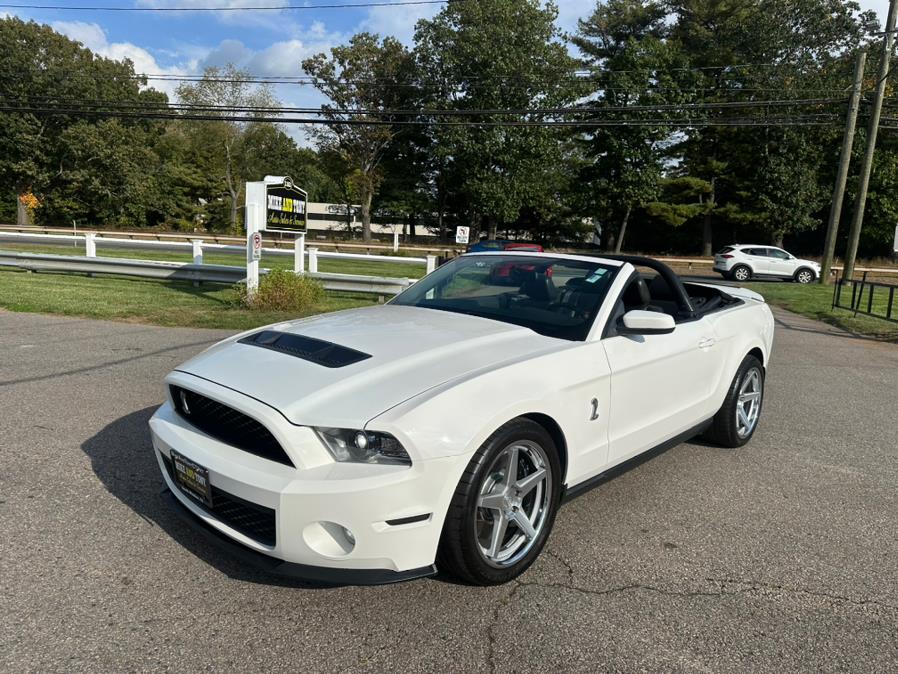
[[271, 43], [264, 42]]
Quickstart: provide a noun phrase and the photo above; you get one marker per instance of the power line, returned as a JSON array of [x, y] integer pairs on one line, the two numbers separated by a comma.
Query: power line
[[803, 120], [261, 8], [560, 110]]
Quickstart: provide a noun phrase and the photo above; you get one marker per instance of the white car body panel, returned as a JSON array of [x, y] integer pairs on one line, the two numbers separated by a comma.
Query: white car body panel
[[442, 383]]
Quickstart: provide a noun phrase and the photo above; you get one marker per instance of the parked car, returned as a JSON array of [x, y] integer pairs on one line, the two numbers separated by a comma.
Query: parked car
[[444, 429], [493, 245], [511, 273], [742, 262]]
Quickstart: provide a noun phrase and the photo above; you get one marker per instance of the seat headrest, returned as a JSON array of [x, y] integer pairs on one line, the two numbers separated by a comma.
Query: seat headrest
[[637, 296], [660, 289]]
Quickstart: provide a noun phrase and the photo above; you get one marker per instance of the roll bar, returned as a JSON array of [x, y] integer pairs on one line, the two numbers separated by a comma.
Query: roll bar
[[665, 272]]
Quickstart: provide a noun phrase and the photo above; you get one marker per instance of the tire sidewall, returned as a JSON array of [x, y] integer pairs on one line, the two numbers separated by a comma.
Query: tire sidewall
[[748, 364], [514, 431]]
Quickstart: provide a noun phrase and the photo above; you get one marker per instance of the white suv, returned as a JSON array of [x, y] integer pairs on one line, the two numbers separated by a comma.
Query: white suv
[[741, 262]]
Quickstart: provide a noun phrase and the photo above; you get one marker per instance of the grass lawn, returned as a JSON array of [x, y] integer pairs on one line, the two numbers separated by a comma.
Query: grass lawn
[[815, 301], [172, 303], [360, 267]]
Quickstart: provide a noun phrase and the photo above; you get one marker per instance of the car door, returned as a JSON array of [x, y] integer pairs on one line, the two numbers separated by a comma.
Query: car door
[[757, 258], [780, 263], [661, 385]]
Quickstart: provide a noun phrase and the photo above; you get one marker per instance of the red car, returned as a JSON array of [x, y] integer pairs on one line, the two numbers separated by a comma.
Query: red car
[[508, 273]]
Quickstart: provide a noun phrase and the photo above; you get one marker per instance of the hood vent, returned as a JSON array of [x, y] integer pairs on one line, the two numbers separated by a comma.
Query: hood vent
[[314, 350]]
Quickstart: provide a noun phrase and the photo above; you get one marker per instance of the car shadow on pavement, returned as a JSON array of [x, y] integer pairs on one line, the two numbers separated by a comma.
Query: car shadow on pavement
[[122, 457]]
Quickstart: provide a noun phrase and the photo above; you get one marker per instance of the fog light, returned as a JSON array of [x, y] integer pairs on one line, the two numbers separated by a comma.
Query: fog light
[[329, 539]]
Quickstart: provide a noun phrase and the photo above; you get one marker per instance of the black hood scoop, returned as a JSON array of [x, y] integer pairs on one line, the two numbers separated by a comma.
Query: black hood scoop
[[313, 350]]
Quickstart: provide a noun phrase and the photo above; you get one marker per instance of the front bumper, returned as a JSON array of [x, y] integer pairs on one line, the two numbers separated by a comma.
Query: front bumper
[[394, 513], [278, 567]]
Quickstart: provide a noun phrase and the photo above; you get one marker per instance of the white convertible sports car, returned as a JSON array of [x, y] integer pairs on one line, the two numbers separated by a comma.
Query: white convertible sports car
[[445, 428]]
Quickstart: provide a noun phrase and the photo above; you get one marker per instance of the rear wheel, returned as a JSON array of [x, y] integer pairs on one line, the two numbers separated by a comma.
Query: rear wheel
[[804, 276], [741, 273], [737, 419], [504, 506]]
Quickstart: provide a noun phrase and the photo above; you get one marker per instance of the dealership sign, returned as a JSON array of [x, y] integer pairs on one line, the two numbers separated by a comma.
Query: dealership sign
[[285, 208]]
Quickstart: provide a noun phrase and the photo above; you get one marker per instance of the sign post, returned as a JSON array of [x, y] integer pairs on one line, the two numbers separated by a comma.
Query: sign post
[[274, 204]]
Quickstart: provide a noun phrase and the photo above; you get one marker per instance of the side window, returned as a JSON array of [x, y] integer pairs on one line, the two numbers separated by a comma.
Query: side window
[[779, 254], [752, 251]]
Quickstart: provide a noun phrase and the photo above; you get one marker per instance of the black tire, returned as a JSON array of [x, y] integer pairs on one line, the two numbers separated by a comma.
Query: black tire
[[459, 552], [740, 270], [804, 276], [723, 430]]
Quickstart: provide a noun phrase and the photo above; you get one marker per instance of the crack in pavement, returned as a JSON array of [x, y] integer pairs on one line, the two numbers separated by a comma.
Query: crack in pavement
[[749, 588], [759, 585]]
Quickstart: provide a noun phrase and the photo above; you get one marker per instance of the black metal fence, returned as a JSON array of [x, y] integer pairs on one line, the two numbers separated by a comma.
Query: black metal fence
[[871, 298]]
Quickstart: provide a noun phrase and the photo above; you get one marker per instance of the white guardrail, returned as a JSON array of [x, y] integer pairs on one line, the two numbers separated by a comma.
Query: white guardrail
[[198, 271]]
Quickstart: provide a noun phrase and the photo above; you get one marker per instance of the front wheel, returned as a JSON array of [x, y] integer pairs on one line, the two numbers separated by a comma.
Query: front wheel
[[504, 506], [737, 419]]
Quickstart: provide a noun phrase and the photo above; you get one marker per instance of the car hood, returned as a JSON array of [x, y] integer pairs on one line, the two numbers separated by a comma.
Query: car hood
[[411, 350]]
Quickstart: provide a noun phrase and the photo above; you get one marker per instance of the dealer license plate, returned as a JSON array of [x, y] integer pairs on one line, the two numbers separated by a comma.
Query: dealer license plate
[[192, 478]]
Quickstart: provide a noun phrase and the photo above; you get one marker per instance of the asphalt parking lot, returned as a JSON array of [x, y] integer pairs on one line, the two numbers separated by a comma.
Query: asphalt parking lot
[[779, 557]]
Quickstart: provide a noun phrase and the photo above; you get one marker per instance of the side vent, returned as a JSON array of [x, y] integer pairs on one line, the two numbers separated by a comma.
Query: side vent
[[313, 350]]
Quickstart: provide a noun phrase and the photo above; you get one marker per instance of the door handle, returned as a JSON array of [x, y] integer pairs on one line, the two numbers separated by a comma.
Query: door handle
[[706, 342]]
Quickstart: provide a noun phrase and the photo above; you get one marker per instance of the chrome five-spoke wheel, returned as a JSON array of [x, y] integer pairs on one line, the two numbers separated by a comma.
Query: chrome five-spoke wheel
[[513, 503], [748, 405], [504, 505]]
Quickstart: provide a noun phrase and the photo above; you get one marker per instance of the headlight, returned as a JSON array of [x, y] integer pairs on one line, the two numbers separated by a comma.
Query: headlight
[[356, 446]]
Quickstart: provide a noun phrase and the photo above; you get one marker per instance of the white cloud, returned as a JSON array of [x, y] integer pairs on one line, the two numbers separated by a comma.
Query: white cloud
[[881, 7], [398, 22], [269, 19], [569, 11], [93, 36]]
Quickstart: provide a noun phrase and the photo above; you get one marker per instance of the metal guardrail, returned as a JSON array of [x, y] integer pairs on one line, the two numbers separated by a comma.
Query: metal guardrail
[[867, 304], [177, 271]]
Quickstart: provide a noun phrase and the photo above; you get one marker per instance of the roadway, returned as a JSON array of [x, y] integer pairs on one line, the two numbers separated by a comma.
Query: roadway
[[777, 557]]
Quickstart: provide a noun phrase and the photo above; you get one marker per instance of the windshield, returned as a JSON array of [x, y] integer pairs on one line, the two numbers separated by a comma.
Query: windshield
[[552, 296]]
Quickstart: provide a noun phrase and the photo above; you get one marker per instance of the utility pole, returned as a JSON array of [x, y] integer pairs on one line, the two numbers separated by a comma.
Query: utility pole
[[835, 210], [863, 182]]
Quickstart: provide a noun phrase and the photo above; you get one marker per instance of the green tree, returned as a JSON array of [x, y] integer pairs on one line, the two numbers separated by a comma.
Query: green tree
[[767, 177], [496, 55], [624, 44], [363, 80], [40, 68], [220, 146]]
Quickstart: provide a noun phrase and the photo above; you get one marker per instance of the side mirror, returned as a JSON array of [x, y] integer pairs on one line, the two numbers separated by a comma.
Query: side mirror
[[638, 322]]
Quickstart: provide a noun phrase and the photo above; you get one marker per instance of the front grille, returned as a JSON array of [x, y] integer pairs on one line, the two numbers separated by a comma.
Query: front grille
[[250, 519], [228, 425]]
